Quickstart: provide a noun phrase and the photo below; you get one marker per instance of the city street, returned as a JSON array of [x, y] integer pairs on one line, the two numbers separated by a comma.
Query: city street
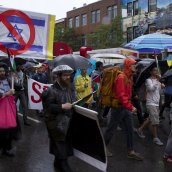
[[32, 152]]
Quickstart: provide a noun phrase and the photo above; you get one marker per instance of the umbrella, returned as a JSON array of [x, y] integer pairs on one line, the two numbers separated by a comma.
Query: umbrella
[[133, 57], [163, 66], [20, 60], [46, 61], [28, 65], [150, 42], [6, 60], [32, 60], [121, 65], [144, 74], [74, 61], [169, 60], [167, 74]]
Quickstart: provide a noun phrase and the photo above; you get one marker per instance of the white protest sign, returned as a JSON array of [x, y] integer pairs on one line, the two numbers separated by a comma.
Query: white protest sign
[[34, 94]]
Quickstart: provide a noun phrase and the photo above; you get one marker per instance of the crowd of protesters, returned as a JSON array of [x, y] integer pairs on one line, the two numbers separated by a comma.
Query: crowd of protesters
[[66, 89]]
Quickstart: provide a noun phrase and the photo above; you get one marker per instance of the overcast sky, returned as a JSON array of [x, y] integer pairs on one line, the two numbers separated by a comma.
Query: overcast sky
[[55, 7]]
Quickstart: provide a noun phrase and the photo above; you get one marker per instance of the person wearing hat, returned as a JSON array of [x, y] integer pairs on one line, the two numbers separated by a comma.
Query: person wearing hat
[[40, 76], [57, 105], [7, 135], [83, 86]]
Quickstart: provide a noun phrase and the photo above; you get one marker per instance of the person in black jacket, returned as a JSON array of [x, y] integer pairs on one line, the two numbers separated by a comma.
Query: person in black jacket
[[49, 74], [7, 135], [40, 76], [135, 97], [57, 104]]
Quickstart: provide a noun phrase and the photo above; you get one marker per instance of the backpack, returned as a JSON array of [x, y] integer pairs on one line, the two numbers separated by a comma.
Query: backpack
[[105, 93]]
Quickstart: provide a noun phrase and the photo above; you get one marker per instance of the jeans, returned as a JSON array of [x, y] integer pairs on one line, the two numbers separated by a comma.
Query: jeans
[[118, 114], [168, 100], [139, 110], [98, 109], [106, 111], [21, 96], [168, 149]]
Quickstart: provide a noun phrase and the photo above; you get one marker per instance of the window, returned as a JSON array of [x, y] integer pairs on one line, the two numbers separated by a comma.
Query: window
[[129, 9], [83, 41], [152, 28], [76, 40], [93, 13], [77, 21], [135, 4], [70, 22], [114, 12], [152, 5], [98, 16], [84, 19], [129, 34], [109, 9], [135, 32]]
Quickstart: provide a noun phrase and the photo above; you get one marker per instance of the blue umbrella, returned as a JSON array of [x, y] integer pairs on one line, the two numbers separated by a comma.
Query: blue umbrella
[[169, 58], [150, 42]]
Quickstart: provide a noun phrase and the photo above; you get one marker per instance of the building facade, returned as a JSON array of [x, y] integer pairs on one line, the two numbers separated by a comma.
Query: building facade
[[88, 18], [146, 16]]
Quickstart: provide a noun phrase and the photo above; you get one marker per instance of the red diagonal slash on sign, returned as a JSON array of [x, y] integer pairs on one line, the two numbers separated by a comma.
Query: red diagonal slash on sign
[[25, 47]]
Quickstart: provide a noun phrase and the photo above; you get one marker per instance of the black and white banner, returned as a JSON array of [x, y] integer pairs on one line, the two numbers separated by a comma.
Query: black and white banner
[[88, 141]]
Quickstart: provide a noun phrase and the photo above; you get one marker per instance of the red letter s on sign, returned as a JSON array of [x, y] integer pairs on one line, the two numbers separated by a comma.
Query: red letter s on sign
[[37, 92], [45, 87]]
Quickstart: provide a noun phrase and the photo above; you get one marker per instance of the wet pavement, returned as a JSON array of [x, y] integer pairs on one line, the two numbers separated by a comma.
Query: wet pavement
[[32, 152]]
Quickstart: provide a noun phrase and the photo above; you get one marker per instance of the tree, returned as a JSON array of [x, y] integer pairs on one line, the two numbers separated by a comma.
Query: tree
[[65, 35], [107, 36]]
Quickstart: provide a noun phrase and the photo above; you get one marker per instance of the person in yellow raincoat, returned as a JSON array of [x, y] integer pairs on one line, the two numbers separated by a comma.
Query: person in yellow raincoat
[[83, 86]]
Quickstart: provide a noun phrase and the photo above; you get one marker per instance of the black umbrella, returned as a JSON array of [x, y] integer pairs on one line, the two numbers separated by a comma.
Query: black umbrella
[[144, 63], [121, 65], [144, 74], [167, 74], [163, 66], [28, 65], [133, 57], [46, 61], [6, 60], [74, 61], [32, 60], [20, 60]]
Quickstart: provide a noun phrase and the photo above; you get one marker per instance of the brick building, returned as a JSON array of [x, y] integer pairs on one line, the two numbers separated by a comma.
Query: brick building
[[63, 22], [88, 18]]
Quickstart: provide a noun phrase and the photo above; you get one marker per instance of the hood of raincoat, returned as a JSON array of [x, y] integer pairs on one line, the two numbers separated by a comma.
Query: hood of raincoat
[[127, 63]]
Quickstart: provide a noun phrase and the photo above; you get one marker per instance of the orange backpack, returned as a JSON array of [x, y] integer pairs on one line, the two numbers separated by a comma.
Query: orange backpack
[[105, 93]]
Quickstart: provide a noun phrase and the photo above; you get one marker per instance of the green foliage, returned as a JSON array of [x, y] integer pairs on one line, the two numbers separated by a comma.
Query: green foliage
[[107, 36], [65, 35]]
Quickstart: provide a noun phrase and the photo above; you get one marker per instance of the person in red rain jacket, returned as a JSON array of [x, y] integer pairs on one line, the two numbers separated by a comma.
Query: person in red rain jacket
[[122, 108]]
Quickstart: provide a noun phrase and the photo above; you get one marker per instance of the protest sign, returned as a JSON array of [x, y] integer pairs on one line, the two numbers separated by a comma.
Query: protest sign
[[26, 34]]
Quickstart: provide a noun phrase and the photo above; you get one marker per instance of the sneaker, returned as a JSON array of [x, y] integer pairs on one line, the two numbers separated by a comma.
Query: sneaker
[[140, 133], [157, 141], [119, 128], [109, 154], [135, 129], [167, 158], [135, 156]]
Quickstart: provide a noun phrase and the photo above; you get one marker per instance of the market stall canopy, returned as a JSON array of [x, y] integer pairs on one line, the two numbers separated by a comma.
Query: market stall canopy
[[109, 58]]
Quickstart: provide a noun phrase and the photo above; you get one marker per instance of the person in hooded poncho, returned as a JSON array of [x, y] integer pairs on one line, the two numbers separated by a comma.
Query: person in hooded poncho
[[122, 108]]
